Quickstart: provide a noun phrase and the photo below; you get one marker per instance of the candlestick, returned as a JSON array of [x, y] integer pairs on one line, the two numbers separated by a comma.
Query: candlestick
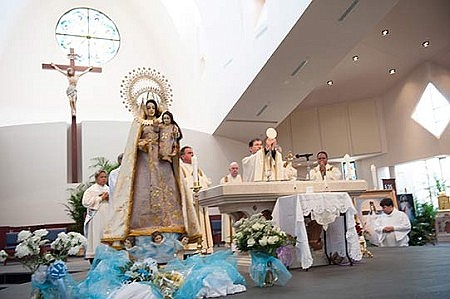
[[373, 169], [195, 169], [347, 166]]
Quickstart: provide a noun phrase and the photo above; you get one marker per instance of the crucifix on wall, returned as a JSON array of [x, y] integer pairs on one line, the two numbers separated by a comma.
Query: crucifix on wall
[[70, 72]]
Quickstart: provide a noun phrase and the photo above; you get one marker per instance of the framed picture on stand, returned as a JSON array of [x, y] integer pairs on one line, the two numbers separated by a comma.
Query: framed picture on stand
[[406, 204]]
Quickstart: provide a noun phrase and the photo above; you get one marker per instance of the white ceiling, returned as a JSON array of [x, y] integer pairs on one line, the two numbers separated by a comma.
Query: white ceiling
[[328, 45]]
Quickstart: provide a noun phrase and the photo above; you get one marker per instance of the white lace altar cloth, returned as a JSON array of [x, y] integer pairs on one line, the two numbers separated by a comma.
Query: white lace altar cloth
[[325, 208]]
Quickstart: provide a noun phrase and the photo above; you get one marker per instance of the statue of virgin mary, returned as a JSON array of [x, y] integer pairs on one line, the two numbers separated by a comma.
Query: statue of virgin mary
[[147, 195]]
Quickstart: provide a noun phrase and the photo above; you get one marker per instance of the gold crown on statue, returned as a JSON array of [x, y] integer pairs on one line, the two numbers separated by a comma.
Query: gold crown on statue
[[141, 85]]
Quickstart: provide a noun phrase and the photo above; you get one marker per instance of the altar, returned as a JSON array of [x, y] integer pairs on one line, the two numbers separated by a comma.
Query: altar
[[328, 202], [248, 198], [333, 210]]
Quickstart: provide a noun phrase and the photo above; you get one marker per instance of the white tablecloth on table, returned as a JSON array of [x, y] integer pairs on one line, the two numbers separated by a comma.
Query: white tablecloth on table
[[325, 208]]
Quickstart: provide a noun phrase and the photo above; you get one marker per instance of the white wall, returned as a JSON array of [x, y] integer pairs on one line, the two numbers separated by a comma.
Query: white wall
[[194, 61], [33, 181], [407, 140]]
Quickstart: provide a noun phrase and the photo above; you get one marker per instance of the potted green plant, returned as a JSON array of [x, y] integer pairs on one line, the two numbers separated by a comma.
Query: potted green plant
[[422, 229]]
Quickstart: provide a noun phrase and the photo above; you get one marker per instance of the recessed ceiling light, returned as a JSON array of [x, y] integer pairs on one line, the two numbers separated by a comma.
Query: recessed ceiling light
[[384, 32], [355, 58], [330, 82], [392, 71], [426, 44]]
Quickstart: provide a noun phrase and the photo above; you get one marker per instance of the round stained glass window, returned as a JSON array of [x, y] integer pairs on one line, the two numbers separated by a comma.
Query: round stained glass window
[[92, 35]]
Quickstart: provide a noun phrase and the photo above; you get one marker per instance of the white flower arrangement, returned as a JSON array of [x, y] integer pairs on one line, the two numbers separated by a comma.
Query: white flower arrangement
[[141, 271], [31, 248], [67, 244], [257, 233], [3, 256]]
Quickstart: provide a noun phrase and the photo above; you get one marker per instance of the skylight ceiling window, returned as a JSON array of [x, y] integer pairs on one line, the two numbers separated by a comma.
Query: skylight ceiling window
[[433, 111]]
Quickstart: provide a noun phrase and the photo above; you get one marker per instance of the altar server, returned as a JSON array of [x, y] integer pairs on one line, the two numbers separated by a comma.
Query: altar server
[[393, 226]]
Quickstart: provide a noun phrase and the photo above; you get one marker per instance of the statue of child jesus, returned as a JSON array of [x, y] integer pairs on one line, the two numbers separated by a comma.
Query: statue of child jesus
[[169, 137]]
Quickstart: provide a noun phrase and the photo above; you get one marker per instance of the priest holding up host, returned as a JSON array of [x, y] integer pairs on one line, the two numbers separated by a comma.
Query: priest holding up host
[[263, 164]]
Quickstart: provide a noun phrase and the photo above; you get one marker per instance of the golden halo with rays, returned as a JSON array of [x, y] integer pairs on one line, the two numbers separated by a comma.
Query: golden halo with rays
[[143, 84]]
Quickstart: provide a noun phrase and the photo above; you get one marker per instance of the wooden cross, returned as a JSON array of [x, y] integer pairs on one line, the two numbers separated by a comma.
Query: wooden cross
[[73, 129], [72, 56]]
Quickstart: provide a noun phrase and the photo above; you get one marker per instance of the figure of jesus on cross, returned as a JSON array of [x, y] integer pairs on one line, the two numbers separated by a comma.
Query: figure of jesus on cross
[[69, 72]]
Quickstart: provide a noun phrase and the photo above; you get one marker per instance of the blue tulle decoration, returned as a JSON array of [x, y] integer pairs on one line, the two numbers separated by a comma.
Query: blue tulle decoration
[[105, 274], [197, 268], [54, 281], [266, 270]]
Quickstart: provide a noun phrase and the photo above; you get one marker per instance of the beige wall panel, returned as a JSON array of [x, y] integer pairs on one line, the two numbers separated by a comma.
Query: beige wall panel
[[284, 135], [364, 129], [305, 131], [334, 129]]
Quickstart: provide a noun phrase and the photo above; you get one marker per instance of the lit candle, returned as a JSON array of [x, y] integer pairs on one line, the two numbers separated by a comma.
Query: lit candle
[[373, 169], [195, 169]]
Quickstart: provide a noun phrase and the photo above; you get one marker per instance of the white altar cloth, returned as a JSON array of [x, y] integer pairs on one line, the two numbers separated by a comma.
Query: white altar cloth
[[289, 212]]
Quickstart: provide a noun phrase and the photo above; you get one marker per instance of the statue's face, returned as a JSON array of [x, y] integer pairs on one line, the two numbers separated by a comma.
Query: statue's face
[[158, 239], [151, 109], [166, 119], [70, 71]]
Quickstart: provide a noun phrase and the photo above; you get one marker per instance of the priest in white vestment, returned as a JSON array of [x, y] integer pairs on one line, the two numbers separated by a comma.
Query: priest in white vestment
[[203, 226], [96, 200], [232, 178], [324, 171], [393, 226], [264, 163]]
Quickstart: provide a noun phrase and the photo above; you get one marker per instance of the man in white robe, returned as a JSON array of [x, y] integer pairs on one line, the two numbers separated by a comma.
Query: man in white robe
[[393, 226], [324, 171], [263, 163], [232, 178], [96, 200], [203, 226]]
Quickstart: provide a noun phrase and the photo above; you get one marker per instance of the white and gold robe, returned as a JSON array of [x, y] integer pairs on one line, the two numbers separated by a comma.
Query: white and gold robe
[[196, 224], [227, 231], [257, 166], [332, 173]]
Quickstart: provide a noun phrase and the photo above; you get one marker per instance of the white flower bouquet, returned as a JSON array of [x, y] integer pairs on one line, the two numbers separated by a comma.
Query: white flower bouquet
[[257, 233], [140, 271], [46, 263], [67, 244], [3, 256], [31, 250], [168, 283]]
